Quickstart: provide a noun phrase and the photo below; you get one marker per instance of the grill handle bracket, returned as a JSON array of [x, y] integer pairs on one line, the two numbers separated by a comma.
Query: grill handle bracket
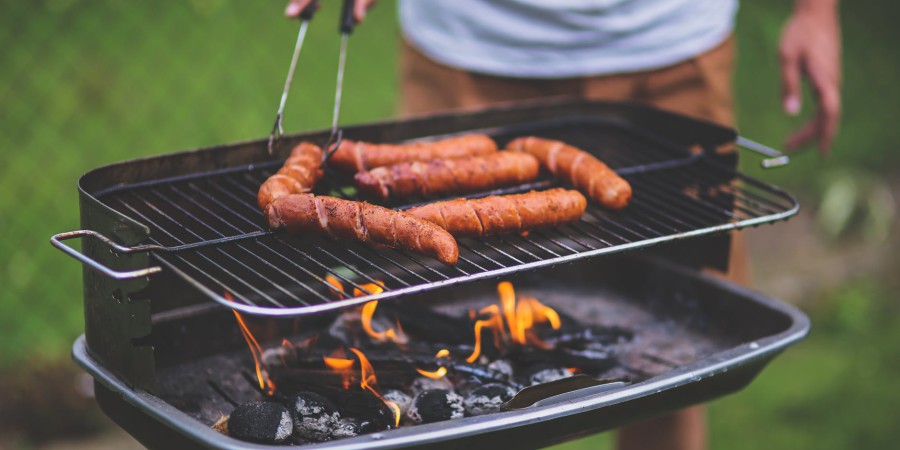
[[57, 239], [775, 157]]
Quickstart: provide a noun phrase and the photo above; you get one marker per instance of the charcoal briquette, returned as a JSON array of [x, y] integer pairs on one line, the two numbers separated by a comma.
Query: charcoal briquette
[[436, 405], [260, 422], [345, 428], [488, 398], [423, 384], [544, 374], [400, 398], [315, 417], [501, 367]]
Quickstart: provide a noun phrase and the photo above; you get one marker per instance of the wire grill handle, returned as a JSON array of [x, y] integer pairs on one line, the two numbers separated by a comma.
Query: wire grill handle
[[775, 157], [57, 239]]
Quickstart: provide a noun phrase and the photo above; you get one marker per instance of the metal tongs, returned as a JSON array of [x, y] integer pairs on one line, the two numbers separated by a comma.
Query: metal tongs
[[277, 129], [348, 22]]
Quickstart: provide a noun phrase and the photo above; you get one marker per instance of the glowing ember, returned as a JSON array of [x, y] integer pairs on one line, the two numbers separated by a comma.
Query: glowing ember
[[368, 381], [442, 353], [261, 375]]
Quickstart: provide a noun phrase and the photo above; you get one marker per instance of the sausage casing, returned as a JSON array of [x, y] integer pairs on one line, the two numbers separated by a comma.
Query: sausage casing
[[504, 214], [329, 216], [441, 177], [356, 156], [299, 174], [578, 168]]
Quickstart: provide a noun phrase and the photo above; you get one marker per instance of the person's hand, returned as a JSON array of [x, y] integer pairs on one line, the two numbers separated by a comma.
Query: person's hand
[[359, 10], [811, 46]]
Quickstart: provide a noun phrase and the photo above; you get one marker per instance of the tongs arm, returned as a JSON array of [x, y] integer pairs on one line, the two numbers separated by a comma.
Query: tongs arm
[[277, 128], [346, 26]]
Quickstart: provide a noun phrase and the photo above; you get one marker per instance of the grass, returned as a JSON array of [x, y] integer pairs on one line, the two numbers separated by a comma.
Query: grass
[[84, 84]]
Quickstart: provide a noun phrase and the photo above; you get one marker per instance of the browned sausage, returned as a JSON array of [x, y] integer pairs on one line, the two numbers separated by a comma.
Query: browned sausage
[[448, 176], [504, 214], [355, 156], [364, 222], [578, 168], [299, 174]]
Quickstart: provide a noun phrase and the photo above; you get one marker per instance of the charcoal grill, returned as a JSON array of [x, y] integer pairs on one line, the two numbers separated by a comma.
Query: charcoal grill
[[171, 235]]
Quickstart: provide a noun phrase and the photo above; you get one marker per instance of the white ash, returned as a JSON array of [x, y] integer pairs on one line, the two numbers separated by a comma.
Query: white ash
[[436, 405], [488, 399], [341, 328], [422, 384], [314, 416], [501, 367], [261, 422], [546, 375], [346, 428], [402, 400]]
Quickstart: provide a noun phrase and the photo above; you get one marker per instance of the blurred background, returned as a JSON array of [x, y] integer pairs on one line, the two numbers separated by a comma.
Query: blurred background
[[87, 83]]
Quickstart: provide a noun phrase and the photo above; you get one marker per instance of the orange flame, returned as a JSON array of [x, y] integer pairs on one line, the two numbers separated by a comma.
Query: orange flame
[[338, 289], [442, 371], [520, 315], [261, 375], [368, 310], [436, 375], [494, 322], [338, 362], [368, 289], [368, 381]]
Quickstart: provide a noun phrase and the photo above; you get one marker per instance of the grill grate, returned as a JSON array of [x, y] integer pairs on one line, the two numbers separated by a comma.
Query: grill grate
[[214, 236]]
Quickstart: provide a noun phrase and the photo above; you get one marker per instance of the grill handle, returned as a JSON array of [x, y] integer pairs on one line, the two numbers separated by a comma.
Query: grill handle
[[57, 239], [775, 157]]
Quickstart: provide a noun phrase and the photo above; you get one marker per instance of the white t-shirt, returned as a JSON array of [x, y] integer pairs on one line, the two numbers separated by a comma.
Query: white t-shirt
[[564, 38]]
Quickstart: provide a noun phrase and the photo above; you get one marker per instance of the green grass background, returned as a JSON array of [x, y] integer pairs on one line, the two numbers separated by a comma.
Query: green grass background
[[86, 83]]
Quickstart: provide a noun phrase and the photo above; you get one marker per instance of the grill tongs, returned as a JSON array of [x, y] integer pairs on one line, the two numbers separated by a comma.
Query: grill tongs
[[347, 24]]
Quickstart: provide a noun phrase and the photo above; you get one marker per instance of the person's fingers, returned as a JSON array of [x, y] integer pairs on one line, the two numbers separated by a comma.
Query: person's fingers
[[790, 81], [295, 7], [803, 136], [361, 7], [827, 90]]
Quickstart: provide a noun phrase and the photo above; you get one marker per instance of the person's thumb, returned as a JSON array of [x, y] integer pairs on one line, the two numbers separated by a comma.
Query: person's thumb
[[790, 83]]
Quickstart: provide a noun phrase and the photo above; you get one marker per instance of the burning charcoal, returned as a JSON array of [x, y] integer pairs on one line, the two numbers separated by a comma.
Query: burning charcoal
[[400, 398], [260, 422], [423, 384], [502, 368], [544, 374], [488, 398], [314, 416], [348, 427], [435, 405]]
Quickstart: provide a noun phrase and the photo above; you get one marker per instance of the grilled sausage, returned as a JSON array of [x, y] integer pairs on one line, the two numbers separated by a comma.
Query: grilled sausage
[[578, 168], [364, 222], [299, 174], [504, 214], [355, 156], [448, 176]]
